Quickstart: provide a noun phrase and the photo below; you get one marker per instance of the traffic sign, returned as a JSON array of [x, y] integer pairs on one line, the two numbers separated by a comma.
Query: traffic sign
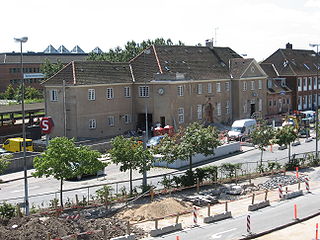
[[46, 125]]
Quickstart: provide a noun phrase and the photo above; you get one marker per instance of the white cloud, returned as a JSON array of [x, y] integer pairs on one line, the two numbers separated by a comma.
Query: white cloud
[[313, 3]]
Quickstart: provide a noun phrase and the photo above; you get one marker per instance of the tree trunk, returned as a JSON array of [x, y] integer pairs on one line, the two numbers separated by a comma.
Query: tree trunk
[[289, 151], [130, 180], [61, 184], [190, 163], [261, 158]]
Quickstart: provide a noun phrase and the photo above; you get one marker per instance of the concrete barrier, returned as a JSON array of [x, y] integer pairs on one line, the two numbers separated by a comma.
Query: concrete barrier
[[292, 194], [256, 206], [217, 217], [126, 237], [167, 229]]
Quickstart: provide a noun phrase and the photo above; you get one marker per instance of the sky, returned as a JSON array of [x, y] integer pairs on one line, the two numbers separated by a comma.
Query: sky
[[255, 28]]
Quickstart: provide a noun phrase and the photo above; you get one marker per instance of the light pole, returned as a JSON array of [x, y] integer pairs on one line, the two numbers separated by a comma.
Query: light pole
[[317, 109], [26, 201]]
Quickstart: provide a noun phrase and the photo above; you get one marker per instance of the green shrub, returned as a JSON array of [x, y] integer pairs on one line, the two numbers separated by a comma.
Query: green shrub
[[7, 211], [103, 193]]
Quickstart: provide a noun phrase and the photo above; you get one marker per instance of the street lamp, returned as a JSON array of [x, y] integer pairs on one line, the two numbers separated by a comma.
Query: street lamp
[[26, 201], [317, 110]]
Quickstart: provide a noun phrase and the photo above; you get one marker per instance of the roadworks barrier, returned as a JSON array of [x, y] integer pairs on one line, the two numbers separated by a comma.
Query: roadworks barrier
[[126, 237], [217, 217], [257, 206], [292, 195], [167, 229]]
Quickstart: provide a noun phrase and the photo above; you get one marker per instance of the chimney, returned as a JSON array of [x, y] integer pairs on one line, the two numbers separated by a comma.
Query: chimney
[[209, 43], [288, 46]]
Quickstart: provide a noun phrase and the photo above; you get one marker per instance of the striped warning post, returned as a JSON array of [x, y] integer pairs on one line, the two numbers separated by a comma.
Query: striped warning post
[[248, 224], [195, 216], [280, 191], [307, 184]]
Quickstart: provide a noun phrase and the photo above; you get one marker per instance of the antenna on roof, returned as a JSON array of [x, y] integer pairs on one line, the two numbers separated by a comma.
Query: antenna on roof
[[215, 36]]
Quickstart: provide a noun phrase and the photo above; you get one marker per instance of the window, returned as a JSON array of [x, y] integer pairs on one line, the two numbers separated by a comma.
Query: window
[[310, 101], [310, 83], [92, 124], [110, 93], [260, 105], [180, 91], [305, 85], [270, 103], [181, 115], [218, 87], [244, 87], [227, 86], [144, 91], [315, 84], [227, 107], [283, 82], [269, 83], [245, 108], [219, 109], [127, 92], [53, 95], [305, 102], [260, 84], [199, 88], [314, 99], [91, 94], [299, 84], [127, 118], [274, 103], [252, 85], [209, 87], [199, 111], [110, 121], [288, 101]]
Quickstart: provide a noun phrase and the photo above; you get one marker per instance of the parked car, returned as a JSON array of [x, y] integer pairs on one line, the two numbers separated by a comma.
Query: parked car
[[154, 141]]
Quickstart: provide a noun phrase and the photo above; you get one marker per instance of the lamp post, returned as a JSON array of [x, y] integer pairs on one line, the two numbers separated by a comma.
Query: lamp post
[[26, 201], [317, 109]]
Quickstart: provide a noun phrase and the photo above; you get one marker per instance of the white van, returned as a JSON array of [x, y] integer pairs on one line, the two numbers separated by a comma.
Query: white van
[[241, 128]]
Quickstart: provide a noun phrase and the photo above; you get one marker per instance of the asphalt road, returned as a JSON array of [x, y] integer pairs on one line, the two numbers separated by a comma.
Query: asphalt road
[[14, 191], [262, 220]]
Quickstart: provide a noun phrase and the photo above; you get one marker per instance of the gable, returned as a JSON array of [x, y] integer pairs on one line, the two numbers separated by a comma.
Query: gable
[[253, 70]]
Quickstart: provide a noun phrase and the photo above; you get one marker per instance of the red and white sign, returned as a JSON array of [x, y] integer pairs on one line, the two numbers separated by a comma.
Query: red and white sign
[[46, 125]]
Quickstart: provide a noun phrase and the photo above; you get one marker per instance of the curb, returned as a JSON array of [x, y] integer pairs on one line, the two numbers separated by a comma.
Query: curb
[[253, 236]]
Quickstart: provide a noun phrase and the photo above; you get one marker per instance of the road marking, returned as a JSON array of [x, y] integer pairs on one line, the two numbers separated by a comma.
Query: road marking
[[22, 190], [218, 235]]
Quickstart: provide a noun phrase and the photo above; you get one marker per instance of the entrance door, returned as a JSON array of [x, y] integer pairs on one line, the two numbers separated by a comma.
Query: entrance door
[[162, 121], [252, 109], [142, 121]]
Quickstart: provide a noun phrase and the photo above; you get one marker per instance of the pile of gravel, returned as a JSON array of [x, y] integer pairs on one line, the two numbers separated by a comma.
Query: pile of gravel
[[283, 180]]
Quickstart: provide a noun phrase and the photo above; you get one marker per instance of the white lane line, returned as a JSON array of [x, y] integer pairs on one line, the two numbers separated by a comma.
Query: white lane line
[[218, 235], [22, 190]]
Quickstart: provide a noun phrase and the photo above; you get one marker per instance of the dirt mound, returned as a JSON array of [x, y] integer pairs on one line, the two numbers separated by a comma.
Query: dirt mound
[[155, 209], [38, 228]]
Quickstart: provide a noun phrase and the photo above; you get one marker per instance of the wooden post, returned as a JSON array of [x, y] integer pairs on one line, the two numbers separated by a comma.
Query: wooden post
[[128, 227], [266, 195], [249, 178], [18, 211], [151, 194], [104, 230], [299, 185], [177, 219], [156, 224], [226, 207], [48, 236], [198, 186], [77, 200], [252, 201], [286, 190], [208, 209]]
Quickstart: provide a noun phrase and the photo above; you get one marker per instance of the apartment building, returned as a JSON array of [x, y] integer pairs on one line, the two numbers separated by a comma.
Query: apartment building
[[300, 69]]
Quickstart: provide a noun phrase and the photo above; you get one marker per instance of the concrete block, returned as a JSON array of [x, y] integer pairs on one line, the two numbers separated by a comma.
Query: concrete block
[[309, 139], [217, 217], [256, 206], [126, 237], [282, 147], [293, 194], [296, 143], [167, 229]]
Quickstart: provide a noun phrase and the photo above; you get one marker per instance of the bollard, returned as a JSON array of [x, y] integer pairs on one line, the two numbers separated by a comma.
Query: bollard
[[77, 200], [209, 209], [248, 225], [307, 185], [177, 219], [151, 194], [249, 178], [156, 224], [286, 190], [177, 238], [297, 172], [295, 212], [195, 216], [266, 195], [48, 236], [299, 185], [280, 191], [226, 207], [317, 236], [104, 230], [252, 202], [128, 228], [198, 186]]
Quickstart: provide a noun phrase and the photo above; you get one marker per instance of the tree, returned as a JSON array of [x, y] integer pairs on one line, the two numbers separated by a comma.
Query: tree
[[49, 69], [131, 49], [195, 139], [10, 92], [285, 136], [262, 136], [4, 162], [64, 160], [131, 155], [32, 93]]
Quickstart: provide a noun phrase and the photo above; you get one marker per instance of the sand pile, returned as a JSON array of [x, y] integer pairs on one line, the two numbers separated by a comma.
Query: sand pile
[[156, 209]]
